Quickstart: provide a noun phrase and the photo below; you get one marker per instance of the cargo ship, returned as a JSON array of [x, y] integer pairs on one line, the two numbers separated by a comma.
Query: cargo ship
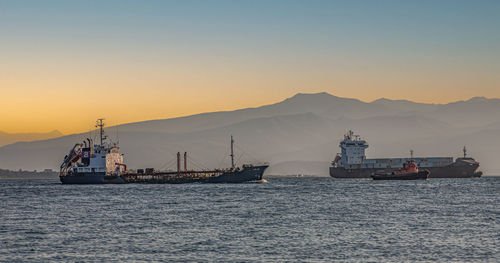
[[247, 173], [352, 162], [89, 163]]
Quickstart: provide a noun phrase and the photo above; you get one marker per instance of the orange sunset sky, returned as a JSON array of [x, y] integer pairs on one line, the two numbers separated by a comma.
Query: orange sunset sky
[[65, 63]]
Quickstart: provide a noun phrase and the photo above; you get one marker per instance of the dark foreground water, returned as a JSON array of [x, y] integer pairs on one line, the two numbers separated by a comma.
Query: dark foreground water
[[307, 219]]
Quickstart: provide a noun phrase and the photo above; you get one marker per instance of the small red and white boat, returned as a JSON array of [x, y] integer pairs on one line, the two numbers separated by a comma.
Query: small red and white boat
[[408, 172]]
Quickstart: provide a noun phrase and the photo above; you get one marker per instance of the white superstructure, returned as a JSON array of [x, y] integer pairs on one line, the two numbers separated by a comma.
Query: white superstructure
[[88, 158]]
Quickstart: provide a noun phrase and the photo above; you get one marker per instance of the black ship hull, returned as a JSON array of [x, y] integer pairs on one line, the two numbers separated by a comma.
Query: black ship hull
[[454, 170], [91, 178], [247, 174], [421, 175]]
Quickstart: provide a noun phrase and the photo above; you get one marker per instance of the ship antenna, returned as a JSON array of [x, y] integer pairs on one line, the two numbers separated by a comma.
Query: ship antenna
[[100, 125], [465, 152], [411, 154], [232, 152]]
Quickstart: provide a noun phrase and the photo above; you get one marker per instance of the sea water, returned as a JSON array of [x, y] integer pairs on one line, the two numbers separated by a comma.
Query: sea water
[[287, 219]]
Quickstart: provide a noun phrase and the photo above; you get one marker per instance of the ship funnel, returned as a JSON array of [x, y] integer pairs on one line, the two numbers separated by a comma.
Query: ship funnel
[[90, 145], [178, 161], [185, 161]]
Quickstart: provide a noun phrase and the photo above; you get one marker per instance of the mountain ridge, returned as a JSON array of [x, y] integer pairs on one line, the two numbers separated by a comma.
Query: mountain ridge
[[8, 138]]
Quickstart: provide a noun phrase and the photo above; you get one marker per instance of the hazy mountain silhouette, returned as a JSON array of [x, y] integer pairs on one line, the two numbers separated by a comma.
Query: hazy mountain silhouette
[[7, 138], [303, 128]]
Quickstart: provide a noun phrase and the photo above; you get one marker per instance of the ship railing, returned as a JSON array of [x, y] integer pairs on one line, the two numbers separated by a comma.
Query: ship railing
[[256, 164]]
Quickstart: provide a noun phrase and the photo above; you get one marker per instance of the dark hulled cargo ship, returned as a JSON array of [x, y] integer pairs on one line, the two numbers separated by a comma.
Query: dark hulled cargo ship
[[89, 163], [247, 173], [352, 163]]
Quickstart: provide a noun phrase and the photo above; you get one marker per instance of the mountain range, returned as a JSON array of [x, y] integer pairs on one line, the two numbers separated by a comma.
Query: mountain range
[[8, 138], [297, 135]]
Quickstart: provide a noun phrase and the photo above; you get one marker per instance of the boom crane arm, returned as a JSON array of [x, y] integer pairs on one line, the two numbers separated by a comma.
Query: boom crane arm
[[72, 156]]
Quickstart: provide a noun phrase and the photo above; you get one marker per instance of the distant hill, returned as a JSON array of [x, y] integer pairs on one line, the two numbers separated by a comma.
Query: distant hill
[[304, 129], [8, 138]]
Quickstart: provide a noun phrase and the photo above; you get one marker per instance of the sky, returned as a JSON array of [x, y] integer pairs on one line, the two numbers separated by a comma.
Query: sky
[[64, 64]]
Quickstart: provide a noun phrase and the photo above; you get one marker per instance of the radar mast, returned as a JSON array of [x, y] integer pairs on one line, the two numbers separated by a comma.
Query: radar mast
[[100, 124], [232, 152]]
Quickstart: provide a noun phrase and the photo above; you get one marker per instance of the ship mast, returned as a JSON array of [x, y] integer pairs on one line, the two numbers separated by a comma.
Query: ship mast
[[232, 152], [99, 124]]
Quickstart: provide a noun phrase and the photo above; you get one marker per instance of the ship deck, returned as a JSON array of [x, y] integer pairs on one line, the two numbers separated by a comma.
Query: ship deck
[[171, 177]]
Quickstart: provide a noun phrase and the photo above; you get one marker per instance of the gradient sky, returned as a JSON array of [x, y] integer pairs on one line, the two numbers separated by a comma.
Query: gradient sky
[[65, 63]]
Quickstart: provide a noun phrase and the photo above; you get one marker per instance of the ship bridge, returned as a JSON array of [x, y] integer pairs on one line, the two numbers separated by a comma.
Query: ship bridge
[[353, 150]]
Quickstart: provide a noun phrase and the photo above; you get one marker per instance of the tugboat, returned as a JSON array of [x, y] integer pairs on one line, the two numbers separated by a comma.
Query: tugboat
[[87, 163], [408, 172]]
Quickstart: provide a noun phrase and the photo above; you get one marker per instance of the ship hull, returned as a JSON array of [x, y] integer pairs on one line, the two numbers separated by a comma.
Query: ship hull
[[247, 174], [422, 175], [455, 170], [91, 178]]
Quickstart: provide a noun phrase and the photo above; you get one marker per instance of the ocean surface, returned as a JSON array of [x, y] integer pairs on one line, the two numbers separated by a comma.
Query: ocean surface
[[285, 219]]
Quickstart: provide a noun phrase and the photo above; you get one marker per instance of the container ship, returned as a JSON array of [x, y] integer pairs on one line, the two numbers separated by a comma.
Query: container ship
[[89, 163], [352, 162]]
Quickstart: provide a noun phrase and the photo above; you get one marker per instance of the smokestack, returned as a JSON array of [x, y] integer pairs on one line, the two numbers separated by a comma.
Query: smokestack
[[178, 161], [185, 161], [90, 145]]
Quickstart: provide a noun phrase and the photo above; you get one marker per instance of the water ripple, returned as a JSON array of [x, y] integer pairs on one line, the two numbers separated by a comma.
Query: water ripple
[[307, 219]]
